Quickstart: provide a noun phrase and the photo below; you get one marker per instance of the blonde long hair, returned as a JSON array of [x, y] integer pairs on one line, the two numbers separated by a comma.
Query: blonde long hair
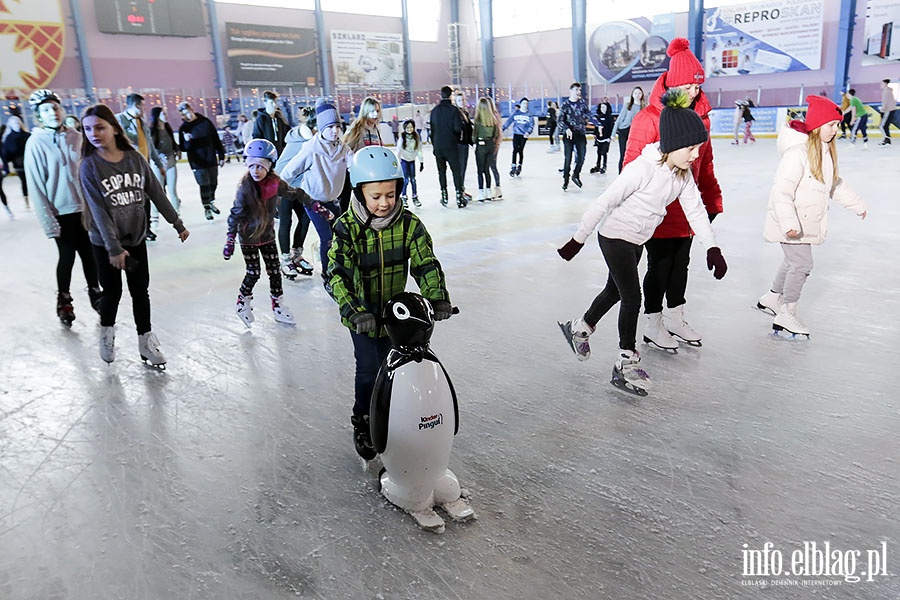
[[814, 155], [484, 114], [355, 133]]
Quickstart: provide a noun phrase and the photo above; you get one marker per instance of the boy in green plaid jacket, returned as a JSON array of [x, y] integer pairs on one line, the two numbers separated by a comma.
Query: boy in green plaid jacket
[[376, 246]]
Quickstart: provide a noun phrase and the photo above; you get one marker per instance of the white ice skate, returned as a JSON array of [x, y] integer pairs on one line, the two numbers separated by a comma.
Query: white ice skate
[[148, 346], [244, 310], [108, 344], [769, 303], [282, 313], [656, 336], [497, 194], [627, 374], [288, 269], [577, 333], [676, 325], [786, 324]]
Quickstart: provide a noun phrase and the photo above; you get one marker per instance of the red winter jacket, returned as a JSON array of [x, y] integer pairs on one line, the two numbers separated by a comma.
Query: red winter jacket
[[645, 130]]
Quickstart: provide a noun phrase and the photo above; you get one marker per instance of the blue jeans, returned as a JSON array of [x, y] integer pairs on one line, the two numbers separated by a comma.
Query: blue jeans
[[370, 354], [323, 228], [409, 176]]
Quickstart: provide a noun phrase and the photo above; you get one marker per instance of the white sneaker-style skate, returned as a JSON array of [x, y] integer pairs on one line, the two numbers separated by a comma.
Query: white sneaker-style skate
[[627, 374], [577, 333], [282, 313], [108, 344], [787, 325], [656, 336], [148, 346], [674, 322], [497, 193], [244, 310], [769, 303]]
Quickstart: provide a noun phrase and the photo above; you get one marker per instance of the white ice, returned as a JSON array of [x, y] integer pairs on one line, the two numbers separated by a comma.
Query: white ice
[[233, 476]]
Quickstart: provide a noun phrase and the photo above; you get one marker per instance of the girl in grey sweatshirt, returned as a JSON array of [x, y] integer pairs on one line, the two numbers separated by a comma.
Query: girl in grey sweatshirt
[[117, 181]]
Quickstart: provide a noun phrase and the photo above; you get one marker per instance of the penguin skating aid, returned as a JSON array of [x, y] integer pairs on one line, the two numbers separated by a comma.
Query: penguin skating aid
[[413, 419]]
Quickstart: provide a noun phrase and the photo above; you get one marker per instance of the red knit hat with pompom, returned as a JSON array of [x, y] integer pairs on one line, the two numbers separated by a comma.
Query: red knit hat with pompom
[[684, 68]]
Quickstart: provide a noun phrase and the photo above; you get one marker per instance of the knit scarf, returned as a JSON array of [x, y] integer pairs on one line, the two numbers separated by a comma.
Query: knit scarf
[[369, 220]]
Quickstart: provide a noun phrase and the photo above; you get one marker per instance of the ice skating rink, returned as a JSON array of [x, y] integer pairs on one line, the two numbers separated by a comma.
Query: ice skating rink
[[233, 476]]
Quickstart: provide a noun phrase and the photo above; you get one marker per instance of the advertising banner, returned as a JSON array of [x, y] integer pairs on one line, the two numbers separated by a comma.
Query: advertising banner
[[368, 59], [763, 37], [767, 119], [31, 43], [267, 55], [629, 50], [882, 32]]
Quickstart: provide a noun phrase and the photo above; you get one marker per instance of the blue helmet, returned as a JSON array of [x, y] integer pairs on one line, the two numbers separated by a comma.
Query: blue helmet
[[374, 163], [260, 148]]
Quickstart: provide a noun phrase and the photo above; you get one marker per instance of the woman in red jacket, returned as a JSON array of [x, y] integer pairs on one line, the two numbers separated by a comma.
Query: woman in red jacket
[[668, 251]]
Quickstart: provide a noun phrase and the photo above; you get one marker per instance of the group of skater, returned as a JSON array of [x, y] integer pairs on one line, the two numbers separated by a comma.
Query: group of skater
[[93, 191]]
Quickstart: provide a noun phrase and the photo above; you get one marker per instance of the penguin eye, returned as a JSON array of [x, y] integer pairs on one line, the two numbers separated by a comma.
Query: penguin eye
[[401, 312]]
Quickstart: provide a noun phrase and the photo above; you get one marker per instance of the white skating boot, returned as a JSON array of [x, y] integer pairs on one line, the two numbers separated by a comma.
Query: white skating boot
[[282, 313], [498, 193], [288, 269], [628, 375], [656, 335], [244, 310], [678, 327], [786, 323], [108, 344], [482, 196], [303, 266], [770, 303], [577, 333], [148, 346]]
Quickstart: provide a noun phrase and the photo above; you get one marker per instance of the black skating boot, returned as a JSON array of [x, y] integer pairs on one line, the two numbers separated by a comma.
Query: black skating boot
[[362, 438], [415, 201], [461, 200], [96, 296], [64, 309], [444, 198], [512, 171], [565, 182]]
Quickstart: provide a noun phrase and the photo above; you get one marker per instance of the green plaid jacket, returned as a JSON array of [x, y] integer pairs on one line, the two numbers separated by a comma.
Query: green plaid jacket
[[366, 268]]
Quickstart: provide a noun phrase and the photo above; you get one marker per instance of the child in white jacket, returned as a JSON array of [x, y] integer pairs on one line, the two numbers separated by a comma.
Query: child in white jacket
[[627, 214], [807, 177]]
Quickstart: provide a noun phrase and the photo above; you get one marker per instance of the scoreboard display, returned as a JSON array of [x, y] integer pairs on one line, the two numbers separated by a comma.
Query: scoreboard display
[[183, 18]]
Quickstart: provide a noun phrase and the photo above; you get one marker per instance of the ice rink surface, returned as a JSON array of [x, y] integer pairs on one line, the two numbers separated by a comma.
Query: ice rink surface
[[233, 476]]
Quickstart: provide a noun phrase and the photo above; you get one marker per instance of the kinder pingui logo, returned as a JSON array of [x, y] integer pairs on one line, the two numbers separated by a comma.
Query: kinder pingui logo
[[31, 43], [431, 421]]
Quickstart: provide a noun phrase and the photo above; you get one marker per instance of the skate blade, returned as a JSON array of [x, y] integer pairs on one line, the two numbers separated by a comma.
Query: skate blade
[[459, 510], [656, 346], [785, 335], [284, 321], [629, 388], [764, 309], [428, 520], [150, 365], [694, 343]]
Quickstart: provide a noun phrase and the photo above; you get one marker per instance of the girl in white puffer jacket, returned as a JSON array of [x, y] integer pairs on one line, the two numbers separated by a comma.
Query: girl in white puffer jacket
[[806, 179]]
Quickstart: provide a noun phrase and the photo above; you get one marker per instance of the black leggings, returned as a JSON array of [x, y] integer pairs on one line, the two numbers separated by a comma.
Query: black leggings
[[484, 153], [518, 148], [273, 268], [667, 272], [72, 240], [19, 166], [623, 143], [2, 193], [622, 284], [138, 286], [284, 225]]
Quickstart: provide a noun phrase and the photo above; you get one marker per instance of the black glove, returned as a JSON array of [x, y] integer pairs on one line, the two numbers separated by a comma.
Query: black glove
[[712, 216], [570, 249], [421, 166], [364, 322], [715, 260], [442, 310], [228, 250]]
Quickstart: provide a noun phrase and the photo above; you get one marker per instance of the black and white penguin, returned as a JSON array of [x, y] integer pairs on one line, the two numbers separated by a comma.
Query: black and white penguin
[[414, 416]]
